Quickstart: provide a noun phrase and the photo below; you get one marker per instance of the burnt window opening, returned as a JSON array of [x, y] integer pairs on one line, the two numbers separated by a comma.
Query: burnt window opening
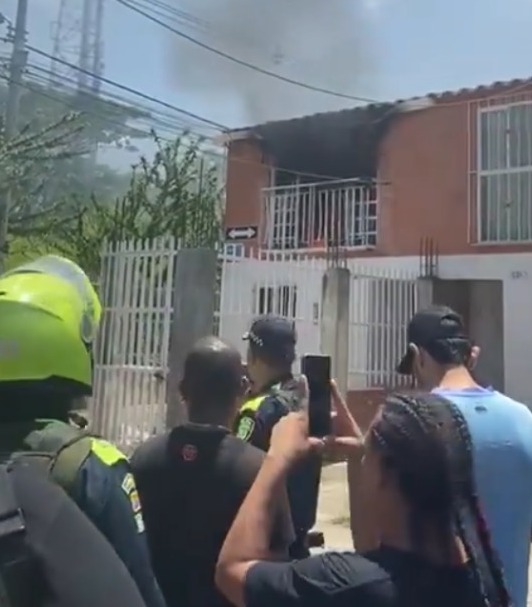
[[324, 191]]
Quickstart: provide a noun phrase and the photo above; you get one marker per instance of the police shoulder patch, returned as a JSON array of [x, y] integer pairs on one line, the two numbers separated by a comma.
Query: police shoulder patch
[[245, 428], [130, 489], [128, 484]]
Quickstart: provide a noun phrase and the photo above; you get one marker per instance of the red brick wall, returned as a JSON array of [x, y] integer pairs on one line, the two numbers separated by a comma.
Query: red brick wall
[[424, 164]]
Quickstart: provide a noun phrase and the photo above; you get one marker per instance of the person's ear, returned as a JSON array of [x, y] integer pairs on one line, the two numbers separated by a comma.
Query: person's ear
[[473, 358], [244, 386], [416, 355]]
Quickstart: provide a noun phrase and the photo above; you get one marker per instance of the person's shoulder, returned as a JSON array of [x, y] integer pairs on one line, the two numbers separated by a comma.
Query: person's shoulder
[[515, 404], [149, 453], [281, 399], [242, 451], [240, 458], [355, 569], [287, 392]]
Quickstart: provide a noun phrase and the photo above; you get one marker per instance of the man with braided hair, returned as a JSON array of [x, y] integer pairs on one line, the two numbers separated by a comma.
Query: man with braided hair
[[440, 356], [419, 493]]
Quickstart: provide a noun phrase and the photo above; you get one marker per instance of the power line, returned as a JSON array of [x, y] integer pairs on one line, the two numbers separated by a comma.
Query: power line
[[39, 91], [72, 105], [241, 62], [160, 116], [180, 16], [128, 89]]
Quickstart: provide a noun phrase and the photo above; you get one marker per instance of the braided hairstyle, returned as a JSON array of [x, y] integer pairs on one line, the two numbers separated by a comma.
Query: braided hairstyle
[[426, 441]]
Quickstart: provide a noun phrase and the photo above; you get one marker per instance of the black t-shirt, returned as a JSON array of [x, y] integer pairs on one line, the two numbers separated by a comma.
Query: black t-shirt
[[75, 566], [383, 578], [191, 483]]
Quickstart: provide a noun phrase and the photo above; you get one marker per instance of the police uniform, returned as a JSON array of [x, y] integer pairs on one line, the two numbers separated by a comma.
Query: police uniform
[[261, 411], [49, 314], [51, 553]]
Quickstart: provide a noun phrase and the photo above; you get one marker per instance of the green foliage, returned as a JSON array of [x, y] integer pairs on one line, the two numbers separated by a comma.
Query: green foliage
[[100, 121], [25, 163], [175, 194]]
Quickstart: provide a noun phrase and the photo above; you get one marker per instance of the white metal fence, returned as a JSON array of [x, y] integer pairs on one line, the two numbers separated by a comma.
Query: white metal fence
[[382, 303], [137, 284], [131, 357]]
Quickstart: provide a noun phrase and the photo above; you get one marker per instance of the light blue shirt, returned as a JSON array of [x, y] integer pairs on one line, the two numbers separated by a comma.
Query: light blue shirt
[[501, 431]]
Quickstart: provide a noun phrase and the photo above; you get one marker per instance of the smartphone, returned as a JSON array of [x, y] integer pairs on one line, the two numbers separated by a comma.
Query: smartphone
[[317, 370]]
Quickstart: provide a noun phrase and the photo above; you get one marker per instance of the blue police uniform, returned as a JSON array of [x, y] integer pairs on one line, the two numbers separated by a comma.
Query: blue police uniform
[[254, 424], [106, 492], [97, 476]]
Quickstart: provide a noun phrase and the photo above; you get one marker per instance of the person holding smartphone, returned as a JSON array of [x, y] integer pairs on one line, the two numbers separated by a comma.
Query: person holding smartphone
[[271, 354], [419, 490]]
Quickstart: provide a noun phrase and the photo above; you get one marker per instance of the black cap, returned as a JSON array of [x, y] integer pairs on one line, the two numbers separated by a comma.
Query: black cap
[[433, 324], [275, 336]]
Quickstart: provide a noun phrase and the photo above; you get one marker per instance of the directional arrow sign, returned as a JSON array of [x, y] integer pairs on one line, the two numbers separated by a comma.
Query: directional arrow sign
[[245, 233]]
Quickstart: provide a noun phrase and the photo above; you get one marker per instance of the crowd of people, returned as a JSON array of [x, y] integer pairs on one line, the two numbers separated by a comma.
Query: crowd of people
[[219, 510]]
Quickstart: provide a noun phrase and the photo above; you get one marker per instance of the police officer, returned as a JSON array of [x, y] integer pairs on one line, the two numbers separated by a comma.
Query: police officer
[[274, 393], [49, 316]]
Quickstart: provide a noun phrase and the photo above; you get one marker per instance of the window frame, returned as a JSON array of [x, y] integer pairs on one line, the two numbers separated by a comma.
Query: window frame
[[487, 176]]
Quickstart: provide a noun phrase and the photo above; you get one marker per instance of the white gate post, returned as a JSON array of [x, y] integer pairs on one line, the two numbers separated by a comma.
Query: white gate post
[[193, 318], [334, 334]]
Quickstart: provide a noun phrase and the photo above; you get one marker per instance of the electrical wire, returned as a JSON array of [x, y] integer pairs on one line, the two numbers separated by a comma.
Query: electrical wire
[[160, 116], [75, 107], [72, 105], [123, 87], [220, 156], [165, 10], [241, 62]]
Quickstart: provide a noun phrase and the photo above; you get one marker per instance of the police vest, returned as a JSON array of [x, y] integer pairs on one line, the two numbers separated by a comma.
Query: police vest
[[56, 447], [252, 405], [285, 392]]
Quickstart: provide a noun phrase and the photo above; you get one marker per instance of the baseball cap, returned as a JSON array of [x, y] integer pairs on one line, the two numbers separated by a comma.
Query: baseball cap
[[274, 335], [433, 324]]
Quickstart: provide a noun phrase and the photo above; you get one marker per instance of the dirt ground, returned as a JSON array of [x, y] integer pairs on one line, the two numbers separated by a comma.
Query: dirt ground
[[333, 512], [333, 507]]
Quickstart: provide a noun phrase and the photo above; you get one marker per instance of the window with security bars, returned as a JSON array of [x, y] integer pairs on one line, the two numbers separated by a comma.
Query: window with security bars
[[504, 195], [317, 215], [279, 300]]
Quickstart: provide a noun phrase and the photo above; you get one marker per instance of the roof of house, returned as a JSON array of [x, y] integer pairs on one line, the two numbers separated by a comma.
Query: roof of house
[[495, 89], [345, 143]]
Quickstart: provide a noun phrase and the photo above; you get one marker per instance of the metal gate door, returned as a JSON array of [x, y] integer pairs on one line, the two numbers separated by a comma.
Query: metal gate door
[[131, 355]]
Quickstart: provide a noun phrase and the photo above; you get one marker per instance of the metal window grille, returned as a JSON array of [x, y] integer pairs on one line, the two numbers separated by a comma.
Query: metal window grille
[[339, 213], [281, 300], [504, 184]]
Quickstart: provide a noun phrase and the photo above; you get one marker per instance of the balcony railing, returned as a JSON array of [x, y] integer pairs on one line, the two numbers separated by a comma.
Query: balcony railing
[[319, 215]]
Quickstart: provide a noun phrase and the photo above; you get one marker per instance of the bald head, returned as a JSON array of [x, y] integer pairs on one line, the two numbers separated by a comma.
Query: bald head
[[212, 381]]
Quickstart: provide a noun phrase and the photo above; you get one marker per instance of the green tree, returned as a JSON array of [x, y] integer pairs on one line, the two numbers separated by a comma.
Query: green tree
[[101, 122], [177, 194], [25, 162]]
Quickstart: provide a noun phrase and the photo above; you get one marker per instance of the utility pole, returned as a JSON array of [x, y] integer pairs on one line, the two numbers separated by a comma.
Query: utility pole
[[16, 70]]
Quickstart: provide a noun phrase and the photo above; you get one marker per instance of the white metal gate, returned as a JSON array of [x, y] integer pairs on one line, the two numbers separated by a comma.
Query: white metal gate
[[382, 303], [131, 357]]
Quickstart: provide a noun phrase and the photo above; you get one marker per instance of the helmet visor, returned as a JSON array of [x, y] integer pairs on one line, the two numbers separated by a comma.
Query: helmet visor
[[70, 272]]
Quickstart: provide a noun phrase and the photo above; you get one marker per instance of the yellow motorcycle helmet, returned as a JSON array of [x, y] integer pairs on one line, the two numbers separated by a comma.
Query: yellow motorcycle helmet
[[49, 318]]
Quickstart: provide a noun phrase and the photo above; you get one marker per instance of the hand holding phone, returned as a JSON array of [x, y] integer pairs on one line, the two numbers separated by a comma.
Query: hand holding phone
[[317, 370]]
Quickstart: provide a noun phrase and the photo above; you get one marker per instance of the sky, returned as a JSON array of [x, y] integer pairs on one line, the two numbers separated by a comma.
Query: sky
[[376, 49]]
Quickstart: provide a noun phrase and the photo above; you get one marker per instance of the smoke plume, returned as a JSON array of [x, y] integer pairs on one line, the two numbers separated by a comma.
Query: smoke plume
[[320, 42]]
